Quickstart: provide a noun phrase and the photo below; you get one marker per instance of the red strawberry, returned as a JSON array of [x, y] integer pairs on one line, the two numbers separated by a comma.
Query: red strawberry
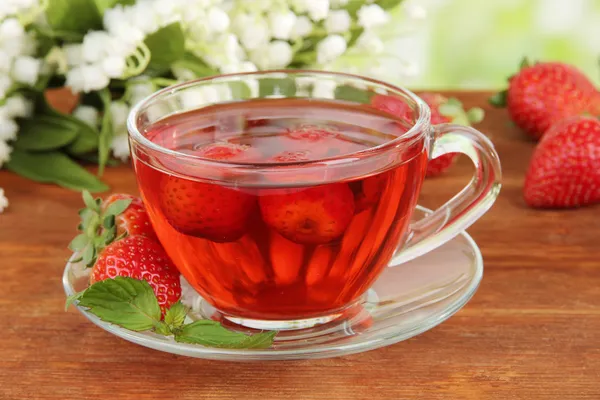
[[226, 152], [291, 156], [206, 210], [139, 257], [134, 220], [542, 94], [565, 168], [313, 215], [443, 110]]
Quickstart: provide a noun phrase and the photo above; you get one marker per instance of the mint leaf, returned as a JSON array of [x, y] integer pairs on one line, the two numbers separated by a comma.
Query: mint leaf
[[175, 316], [44, 132], [117, 207], [53, 167], [262, 340], [103, 5], [211, 333], [71, 299], [106, 133], [78, 16], [166, 45], [123, 301]]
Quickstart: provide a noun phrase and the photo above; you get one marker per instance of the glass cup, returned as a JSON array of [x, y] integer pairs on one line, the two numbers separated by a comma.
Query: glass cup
[[288, 245]]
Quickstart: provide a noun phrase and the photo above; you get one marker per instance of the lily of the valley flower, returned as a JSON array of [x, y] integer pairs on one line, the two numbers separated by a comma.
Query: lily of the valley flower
[[330, 48], [3, 201]]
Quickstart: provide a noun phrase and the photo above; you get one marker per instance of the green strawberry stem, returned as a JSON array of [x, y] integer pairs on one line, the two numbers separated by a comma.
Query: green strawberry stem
[[498, 100], [97, 227], [131, 304]]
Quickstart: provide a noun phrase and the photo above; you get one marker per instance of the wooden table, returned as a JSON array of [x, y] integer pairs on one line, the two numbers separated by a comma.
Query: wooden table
[[532, 331]]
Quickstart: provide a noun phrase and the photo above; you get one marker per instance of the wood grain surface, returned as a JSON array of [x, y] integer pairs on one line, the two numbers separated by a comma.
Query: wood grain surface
[[532, 331]]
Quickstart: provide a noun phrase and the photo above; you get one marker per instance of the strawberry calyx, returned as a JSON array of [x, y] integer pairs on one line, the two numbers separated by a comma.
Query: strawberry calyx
[[499, 100], [98, 228], [454, 110]]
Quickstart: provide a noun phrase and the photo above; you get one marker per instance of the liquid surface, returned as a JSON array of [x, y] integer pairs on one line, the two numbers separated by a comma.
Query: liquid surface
[[280, 253]]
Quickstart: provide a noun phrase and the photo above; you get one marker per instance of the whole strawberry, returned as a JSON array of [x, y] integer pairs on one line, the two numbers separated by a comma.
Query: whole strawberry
[[139, 257], [134, 219], [542, 94], [564, 171], [443, 110]]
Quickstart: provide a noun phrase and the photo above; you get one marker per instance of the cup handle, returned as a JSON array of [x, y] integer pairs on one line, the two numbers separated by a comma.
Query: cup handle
[[468, 205]]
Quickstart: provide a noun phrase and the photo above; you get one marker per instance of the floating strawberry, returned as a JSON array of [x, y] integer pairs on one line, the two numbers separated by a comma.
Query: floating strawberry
[[225, 151], [443, 110], [541, 94], [104, 222], [291, 156], [139, 257], [314, 215], [312, 133], [206, 210], [565, 168]]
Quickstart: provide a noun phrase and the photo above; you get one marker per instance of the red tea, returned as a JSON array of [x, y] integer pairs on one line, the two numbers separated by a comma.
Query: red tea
[[286, 246]]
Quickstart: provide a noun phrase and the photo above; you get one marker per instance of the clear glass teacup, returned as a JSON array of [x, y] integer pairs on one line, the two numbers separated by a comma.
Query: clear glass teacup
[[282, 195]]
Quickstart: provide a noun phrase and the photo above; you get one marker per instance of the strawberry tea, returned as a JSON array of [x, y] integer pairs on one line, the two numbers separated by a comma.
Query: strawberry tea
[[295, 245], [282, 207]]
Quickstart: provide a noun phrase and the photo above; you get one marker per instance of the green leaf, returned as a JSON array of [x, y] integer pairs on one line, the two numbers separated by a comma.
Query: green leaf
[[43, 133], [79, 242], [277, 86], [353, 94], [388, 4], [499, 99], [117, 207], [196, 65], [71, 299], [54, 167], [123, 301], [175, 316], [239, 90], [211, 333], [89, 256], [103, 5], [109, 221], [525, 63], [166, 45], [89, 200], [106, 133], [77, 16], [87, 136], [262, 340]]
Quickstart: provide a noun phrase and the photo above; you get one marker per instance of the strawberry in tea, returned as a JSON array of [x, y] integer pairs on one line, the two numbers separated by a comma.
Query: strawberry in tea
[[275, 209]]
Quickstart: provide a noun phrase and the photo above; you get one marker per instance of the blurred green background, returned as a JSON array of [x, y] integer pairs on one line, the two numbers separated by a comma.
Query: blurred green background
[[477, 44]]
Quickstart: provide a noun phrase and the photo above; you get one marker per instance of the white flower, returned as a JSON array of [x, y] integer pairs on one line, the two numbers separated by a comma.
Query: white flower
[[282, 24], [330, 48], [140, 90], [120, 146], [317, 9], [8, 129], [217, 19], [87, 114], [338, 21], [119, 112], [11, 29], [302, 27], [113, 66], [277, 54], [5, 84], [96, 46], [370, 42], [183, 74], [324, 89], [3, 201], [414, 11], [372, 15], [254, 34], [26, 70], [5, 150], [191, 98], [74, 54], [17, 106], [143, 17], [87, 78], [245, 66], [5, 61]]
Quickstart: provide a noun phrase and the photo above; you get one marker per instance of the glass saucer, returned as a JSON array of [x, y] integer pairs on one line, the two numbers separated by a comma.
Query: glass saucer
[[405, 301]]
